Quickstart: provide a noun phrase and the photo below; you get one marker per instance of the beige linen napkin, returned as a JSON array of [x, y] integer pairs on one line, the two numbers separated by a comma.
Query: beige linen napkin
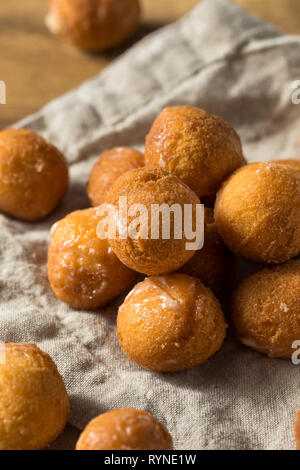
[[218, 58]]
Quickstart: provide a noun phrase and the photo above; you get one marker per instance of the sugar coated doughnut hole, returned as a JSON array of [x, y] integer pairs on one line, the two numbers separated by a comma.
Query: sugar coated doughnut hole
[[265, 310], [214, 264], [148, 251], [110, 165], [34, 404], [125, 429], [82, 269], [297, 430], [93, 25], [257, 212], [170, 323], [34, 175], [196, 146], [290, 162]]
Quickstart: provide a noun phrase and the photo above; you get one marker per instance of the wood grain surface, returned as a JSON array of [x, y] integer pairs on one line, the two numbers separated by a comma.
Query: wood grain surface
[[37, 67]]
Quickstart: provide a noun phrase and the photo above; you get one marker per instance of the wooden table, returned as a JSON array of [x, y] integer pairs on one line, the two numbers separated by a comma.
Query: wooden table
[[37, 67]]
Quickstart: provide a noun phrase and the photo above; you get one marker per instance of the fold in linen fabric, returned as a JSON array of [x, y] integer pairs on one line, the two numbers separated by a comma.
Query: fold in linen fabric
[[229, 63]]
